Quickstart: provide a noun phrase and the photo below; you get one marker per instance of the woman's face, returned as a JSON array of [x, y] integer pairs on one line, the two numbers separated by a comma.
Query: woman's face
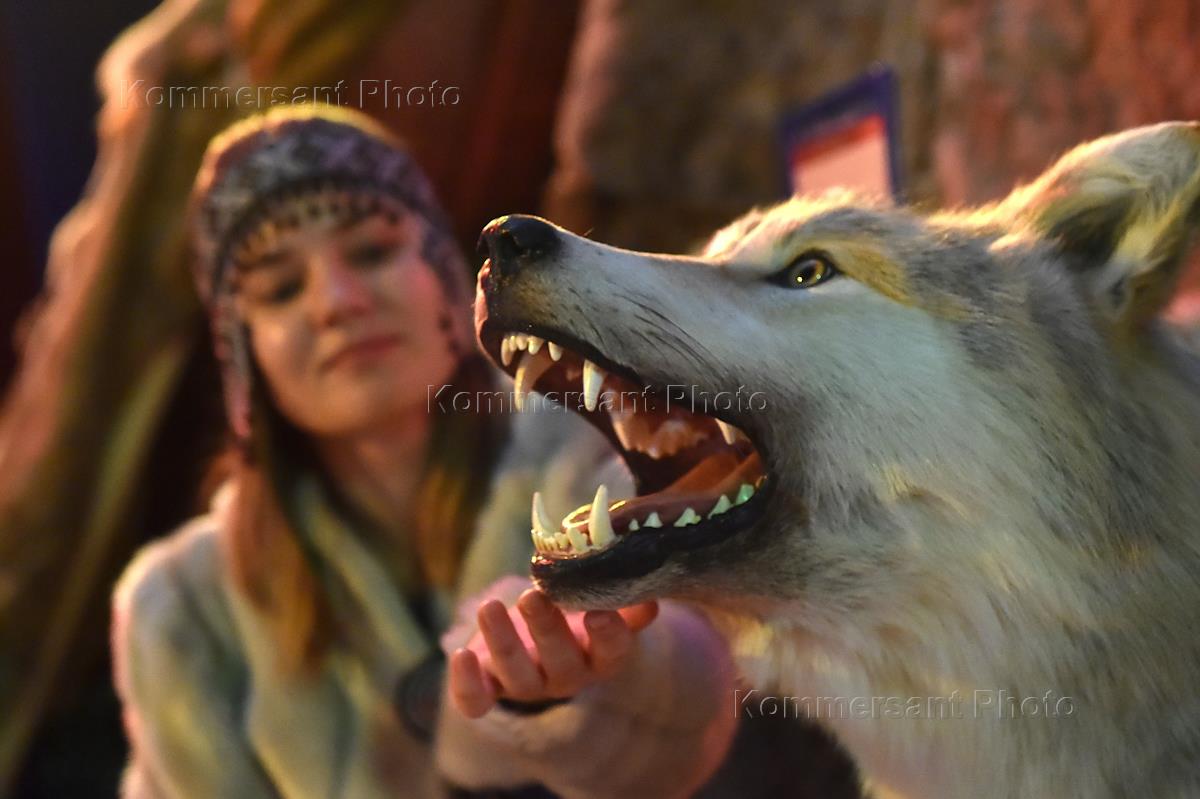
[[347, 322]]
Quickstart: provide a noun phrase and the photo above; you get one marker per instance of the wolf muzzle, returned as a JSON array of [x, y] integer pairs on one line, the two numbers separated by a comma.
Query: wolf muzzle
[[517, 240]]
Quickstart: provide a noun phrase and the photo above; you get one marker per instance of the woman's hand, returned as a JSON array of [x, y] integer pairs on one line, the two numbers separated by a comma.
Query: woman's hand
[[536, 652]]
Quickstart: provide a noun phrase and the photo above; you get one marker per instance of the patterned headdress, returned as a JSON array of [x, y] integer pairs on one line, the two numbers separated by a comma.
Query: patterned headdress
[[257, 166]]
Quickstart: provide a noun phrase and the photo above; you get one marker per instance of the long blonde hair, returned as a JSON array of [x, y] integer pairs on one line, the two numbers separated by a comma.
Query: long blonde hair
[[247, 173], [263, 545]]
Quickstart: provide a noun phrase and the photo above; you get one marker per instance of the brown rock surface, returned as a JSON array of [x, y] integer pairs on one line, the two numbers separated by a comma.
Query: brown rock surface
[[669, 122]]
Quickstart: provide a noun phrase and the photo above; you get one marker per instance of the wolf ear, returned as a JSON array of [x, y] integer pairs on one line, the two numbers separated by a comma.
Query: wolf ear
[[1122, 208]]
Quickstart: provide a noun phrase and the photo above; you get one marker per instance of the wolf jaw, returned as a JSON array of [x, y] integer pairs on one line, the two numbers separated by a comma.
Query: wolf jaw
[[1027, 520], [699, 477]]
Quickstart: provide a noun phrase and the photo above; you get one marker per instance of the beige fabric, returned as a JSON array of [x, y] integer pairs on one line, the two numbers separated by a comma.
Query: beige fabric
[[208, 715]]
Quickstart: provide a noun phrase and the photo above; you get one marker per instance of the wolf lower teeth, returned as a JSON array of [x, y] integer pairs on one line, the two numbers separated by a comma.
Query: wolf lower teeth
[[578, 542], [578, 539], [599, 521], [687, 517]]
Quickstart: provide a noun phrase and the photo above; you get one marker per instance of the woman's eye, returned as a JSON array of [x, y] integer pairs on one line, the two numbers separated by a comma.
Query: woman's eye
[[806, 271], [273, 289], [283, 292], [370, 254]]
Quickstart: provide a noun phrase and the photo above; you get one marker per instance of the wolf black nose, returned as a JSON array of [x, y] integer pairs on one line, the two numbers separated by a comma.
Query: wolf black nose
[[511, 239]]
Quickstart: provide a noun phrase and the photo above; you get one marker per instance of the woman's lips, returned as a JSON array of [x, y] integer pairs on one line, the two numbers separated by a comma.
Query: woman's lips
[[365, 348]]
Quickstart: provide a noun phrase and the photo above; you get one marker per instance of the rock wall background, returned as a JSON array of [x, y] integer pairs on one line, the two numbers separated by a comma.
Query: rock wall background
[[669, 121]]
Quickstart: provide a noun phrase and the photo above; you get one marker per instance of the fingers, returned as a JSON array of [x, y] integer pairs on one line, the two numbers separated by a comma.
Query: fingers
[[470, 689], [610, 640], [546, 654], [612, 634], [639, 616], [562, 659], [511, 664]]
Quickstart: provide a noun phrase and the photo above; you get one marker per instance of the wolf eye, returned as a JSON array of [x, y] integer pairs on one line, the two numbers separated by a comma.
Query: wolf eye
[[806, 271]]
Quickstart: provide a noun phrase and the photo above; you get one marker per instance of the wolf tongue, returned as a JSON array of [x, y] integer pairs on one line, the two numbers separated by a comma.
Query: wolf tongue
[[701, 489], [705, 474]]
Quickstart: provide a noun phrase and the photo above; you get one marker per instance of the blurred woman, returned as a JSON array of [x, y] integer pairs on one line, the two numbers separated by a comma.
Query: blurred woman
[[286, 643]]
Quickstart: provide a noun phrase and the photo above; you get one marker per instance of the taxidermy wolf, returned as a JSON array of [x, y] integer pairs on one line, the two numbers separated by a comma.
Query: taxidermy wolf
[[936, 476]]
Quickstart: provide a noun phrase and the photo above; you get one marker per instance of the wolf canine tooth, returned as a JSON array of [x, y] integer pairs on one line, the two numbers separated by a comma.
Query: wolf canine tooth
[[687, 517], [540, 519], [621, 425], [528, 372], [728, 432], [599, 520], [593, 376]]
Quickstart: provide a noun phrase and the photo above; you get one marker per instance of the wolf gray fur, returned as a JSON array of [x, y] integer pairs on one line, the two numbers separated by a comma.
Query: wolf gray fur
[[983, 453]]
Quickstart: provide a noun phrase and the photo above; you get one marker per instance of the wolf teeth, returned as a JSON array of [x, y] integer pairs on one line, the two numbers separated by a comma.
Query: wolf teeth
[[541, 519], [528, 372], [599, 520], [723, 504], [513, 343], [555, 350], [687, 517], [541, 528], [728, 432], [578, 540], [744, 492], [593, 376], [674, 435], [652, 520], [669, 438], [623, 425]]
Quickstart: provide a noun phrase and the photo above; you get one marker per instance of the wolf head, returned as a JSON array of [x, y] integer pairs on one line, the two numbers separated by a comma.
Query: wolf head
[[844, 407]]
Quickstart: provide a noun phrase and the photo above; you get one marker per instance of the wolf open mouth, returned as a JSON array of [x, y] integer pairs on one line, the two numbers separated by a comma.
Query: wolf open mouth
[[699, 478]]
